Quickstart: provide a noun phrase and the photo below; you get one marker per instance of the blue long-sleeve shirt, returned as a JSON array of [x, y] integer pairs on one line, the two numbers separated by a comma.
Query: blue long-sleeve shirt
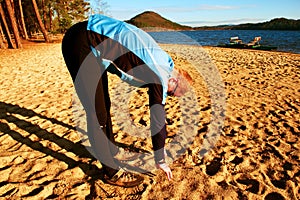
[[136, 56]]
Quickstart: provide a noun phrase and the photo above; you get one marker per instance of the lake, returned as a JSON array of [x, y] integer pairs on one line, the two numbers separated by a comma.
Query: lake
[[288, 41]]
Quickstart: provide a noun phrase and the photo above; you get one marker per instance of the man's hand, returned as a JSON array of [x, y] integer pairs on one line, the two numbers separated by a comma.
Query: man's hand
[[164, 166]]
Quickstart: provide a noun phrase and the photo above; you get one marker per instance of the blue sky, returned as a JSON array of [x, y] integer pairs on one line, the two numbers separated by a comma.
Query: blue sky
[[209, 12]]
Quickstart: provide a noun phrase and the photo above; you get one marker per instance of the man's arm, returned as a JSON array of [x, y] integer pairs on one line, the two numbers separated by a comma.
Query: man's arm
[[157, 121], [158, 128], [158, 131], [112, 68]]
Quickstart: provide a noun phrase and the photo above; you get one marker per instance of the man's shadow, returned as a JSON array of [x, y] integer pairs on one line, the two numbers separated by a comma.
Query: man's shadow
[[8, 112]]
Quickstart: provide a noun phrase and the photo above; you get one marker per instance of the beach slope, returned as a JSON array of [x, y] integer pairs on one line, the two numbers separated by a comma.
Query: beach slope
[[256, 155]]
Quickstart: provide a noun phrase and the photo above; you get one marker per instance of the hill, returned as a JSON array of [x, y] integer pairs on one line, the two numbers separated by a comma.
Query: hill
[[274, 24], [152, 20]]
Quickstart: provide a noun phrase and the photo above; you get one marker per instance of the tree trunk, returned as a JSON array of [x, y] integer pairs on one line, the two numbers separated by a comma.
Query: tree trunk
[[23, 21], [50, 18], [1, 32], [13, 23], [38, 16], [6, 29], [12, 6], [45, 15], [2, 45]]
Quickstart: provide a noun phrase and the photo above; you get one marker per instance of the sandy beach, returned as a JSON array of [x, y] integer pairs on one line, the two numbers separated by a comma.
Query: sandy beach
[[256, 154]]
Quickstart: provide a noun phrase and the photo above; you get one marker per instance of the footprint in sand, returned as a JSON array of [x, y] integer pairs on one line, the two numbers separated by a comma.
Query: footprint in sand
[[274, 196], [213, 167]]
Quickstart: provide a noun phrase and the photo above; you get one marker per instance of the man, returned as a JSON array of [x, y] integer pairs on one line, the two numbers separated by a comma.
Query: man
[[102, 44]]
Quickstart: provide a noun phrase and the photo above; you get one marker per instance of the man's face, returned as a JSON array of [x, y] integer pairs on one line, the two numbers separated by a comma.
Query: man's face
[[177, 87]]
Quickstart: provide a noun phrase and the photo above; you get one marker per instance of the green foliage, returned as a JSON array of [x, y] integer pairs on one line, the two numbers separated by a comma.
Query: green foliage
[[32, 25], [275, 24], [64, 24], [67, 12], [58, 15], [97, 7]]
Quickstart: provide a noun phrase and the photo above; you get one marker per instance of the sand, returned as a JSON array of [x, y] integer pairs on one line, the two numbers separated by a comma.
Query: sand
[[253, 153]]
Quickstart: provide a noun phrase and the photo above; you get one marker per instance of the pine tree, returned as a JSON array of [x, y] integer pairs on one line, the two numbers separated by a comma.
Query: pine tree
[[13, 23], [2, 45], [5, 28], [41, 24], [22, 20], [50, 15]]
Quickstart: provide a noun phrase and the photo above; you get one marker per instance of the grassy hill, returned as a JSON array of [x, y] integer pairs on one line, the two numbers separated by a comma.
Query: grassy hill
[[153, 20]]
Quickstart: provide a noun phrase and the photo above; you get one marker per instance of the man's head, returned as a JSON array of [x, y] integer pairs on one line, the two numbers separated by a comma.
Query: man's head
[[178, 84]]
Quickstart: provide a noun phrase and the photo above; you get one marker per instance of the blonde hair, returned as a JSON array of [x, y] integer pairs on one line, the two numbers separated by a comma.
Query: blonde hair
[[184, 80]]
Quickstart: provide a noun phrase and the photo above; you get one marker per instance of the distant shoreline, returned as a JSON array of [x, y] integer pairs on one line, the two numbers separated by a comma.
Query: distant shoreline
[[154, 20], [290, 43], [241, 50]]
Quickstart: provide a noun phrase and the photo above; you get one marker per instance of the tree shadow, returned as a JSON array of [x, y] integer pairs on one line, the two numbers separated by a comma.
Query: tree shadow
[[8, 112]]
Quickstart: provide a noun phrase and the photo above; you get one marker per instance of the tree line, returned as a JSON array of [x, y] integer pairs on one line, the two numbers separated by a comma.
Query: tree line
[[21, 19], [274, 24]]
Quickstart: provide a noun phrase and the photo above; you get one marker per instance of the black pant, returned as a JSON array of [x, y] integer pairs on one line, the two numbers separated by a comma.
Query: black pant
[[77, 53]]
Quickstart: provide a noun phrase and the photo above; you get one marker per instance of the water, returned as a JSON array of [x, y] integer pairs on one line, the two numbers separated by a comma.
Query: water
[[288, 41]]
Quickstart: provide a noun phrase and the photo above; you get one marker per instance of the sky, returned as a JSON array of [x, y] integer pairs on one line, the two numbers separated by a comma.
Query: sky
[[207, 13]]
